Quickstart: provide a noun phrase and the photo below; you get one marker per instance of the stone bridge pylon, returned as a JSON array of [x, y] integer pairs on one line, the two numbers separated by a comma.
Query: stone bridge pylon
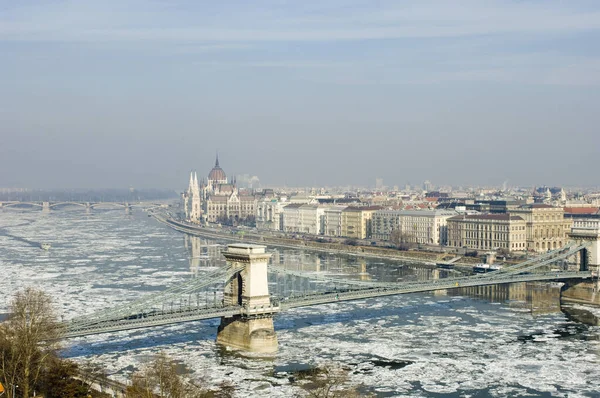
[[248, 287], [588, 230]]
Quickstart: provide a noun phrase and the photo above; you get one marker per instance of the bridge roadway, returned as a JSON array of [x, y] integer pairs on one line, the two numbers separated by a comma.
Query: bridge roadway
[[189, 314], [84, 205]]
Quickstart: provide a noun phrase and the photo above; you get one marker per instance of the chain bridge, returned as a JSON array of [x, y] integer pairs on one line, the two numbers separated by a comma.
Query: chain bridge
[[248, 292]]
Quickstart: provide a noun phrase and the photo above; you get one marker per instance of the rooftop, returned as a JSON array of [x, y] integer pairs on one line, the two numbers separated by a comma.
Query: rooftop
[[488, 217], [581, 210], [245, 248], [538, 206]]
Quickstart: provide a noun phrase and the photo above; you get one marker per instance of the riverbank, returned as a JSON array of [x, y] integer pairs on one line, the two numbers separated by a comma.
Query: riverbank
[[416, 257]]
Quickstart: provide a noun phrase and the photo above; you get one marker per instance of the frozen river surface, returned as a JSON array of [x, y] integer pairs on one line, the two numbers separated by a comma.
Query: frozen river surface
[[411, 345]]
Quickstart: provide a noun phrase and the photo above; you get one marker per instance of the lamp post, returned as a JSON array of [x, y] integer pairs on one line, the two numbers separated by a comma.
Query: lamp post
[[14, 386]]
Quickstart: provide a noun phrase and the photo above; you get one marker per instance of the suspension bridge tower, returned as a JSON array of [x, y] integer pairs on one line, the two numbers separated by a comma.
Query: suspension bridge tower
[[588, 230], [588, 259], [248, 287]]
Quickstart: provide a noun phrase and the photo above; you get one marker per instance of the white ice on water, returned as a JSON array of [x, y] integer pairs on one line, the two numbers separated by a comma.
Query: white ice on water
[[453, 345]]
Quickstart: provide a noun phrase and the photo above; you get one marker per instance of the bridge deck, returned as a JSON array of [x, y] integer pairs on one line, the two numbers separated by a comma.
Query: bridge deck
[[195, 313]]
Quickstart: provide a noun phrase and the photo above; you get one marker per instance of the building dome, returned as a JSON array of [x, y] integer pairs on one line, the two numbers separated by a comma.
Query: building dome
[[217, 174]]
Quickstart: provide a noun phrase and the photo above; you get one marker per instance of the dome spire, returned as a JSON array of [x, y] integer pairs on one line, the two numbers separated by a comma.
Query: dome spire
[[217, 161]]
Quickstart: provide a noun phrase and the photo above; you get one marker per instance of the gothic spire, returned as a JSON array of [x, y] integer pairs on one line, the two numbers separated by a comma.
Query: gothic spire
[[217, 161]]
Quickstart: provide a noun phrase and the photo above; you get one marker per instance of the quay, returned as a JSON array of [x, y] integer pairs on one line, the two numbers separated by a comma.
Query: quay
[[414, 257]]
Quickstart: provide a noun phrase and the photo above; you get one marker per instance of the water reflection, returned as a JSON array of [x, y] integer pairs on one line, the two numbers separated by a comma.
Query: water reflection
[[202, 253], [537, 297]]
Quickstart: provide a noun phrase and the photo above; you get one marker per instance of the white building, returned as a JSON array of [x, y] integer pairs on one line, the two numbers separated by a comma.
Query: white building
[[303, 218], [419, 226], [269, 214], [332, 220]]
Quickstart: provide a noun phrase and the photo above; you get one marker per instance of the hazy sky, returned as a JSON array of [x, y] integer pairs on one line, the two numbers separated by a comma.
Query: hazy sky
[[119, 93]]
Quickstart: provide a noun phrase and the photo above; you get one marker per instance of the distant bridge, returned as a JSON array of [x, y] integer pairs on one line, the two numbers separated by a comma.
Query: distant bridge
[[83, 205]]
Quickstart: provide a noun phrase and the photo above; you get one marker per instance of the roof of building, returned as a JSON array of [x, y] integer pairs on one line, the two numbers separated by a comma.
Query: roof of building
[[424, 213], [363, 208], [218, 198], [217, 173], [293, 206], [226, 188], [537, 206], [338, 200], [582, 210], [488, 217]]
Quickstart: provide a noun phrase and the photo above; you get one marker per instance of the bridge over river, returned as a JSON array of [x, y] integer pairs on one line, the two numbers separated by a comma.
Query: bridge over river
[[252, 292], [47, 205]]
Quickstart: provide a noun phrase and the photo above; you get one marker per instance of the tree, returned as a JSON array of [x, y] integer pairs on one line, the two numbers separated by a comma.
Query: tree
[[28, 341], [63, 379], [159, 378], [402, 240], [329, 382]]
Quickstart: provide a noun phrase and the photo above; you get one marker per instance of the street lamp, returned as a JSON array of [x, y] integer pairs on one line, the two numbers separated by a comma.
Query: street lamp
[[14, 386]]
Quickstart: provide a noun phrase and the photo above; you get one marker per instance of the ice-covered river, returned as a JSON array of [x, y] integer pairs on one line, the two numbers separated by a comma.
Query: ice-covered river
[[411, 345]]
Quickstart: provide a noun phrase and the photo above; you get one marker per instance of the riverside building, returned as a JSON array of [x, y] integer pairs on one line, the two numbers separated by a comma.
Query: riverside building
[[418, 226], [546, 226], [487, 232]]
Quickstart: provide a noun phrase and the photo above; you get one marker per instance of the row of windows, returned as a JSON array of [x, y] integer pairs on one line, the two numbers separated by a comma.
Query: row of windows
[[476, 244], [553, 217]]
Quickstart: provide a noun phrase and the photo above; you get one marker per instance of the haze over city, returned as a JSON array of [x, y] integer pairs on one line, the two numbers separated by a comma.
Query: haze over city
[[278, 198], [137, 93]]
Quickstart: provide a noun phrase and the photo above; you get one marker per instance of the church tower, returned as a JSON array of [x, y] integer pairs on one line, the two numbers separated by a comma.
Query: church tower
[[195, 199], [187, 196]]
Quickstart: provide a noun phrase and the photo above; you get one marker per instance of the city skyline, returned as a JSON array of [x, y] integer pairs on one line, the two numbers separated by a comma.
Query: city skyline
[[120, 94]]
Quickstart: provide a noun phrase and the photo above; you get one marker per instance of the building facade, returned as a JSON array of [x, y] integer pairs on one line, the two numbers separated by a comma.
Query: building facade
[[269, 214], [487, 232], [303, 218], [417, 226], [547, 228], [332, 223], [356, 222], [217, 201]]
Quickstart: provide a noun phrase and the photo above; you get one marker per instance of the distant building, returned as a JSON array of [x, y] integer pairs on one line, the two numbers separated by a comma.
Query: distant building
[[356, 221], [303, 218], [269, 214], [332, 220], [217, 200], [417, 226], [488, 232], [499, 206]]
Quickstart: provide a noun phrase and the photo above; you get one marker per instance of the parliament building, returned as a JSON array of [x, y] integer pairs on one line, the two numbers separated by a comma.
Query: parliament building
[[216, 200]]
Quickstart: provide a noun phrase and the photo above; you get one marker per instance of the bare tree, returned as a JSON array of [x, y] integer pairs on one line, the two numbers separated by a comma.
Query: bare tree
[[160, 379], [28, 340], [329, 382], [402, 240]]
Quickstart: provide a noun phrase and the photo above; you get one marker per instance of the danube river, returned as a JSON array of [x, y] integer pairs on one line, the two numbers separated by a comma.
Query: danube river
[[429, 345]]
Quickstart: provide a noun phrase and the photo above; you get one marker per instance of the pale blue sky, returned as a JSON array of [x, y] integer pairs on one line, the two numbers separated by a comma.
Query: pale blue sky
[[119, 93]]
